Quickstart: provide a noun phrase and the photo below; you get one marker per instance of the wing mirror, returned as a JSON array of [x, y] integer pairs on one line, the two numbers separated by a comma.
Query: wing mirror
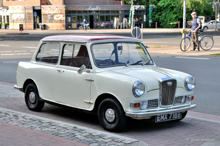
[[82, 69]]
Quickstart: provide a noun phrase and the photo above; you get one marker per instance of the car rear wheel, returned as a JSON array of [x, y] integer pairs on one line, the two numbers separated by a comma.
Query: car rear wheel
[[111, 115], [32, 98], [205, 28]]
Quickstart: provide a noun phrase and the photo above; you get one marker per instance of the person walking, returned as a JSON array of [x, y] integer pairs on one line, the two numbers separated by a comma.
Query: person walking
[[195, 27], [85, 23]]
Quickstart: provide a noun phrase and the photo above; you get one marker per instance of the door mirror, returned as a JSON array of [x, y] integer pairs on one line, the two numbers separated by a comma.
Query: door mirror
[[82, 69]]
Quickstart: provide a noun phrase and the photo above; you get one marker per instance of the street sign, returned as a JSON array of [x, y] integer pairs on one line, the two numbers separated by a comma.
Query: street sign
[[136, 32], [35, 13], [21, 28]]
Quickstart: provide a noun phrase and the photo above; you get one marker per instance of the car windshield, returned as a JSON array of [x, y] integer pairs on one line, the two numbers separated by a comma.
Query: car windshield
[[120, 54]]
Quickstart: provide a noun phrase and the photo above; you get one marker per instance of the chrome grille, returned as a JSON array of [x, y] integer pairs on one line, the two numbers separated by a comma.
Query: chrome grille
[[168, 89], [152, 103]]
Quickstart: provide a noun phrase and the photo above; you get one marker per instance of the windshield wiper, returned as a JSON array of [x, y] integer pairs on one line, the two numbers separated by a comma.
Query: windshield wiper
[[134, 63]]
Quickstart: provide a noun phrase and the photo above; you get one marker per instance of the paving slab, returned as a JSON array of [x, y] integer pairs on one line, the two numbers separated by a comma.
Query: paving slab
[[61, 129]]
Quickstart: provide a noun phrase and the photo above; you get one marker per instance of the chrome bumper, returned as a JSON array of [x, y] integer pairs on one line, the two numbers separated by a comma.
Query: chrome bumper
[[18, 88], [143, 115]]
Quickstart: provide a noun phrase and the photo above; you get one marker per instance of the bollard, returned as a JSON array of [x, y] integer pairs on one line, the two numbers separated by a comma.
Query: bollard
[[156, 24], [178, 24]]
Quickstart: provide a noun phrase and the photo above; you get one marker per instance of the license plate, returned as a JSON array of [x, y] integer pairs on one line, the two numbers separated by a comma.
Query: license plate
[[168, 117]]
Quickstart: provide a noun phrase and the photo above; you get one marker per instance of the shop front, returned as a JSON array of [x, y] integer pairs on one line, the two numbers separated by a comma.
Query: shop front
[[99, 16], [4, 18]]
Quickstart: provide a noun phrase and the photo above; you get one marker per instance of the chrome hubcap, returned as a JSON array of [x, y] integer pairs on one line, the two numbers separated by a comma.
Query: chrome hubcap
[[110, 115], [32, 97]]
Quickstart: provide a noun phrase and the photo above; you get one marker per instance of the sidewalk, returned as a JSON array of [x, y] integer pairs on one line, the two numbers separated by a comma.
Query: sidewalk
[[100, 31], [177, 51]]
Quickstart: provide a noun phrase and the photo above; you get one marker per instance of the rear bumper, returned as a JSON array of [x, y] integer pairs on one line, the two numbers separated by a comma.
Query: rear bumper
[[18, 88], [146, 115]]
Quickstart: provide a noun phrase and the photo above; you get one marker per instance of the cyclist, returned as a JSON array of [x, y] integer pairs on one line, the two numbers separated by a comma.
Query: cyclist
[[195, 27], [85, 23]]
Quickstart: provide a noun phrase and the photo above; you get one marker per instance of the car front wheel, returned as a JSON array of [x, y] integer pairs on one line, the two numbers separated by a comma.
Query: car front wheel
[[32, 98], [111, 115]]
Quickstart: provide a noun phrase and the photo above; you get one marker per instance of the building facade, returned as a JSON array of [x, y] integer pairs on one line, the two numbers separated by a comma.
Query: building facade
[[68, 14]]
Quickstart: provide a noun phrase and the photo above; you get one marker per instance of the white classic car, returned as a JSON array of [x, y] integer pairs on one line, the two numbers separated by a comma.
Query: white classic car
[[115, 77]]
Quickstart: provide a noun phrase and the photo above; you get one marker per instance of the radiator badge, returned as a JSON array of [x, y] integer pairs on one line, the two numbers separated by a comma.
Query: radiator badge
[[169, 83]]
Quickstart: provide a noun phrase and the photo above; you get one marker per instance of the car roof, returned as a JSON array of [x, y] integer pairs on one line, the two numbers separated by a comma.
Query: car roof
[[79, 38]]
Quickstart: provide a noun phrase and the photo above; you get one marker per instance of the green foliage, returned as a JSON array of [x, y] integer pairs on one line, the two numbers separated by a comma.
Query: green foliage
[[167, 11], [5, 23], [202, 7], [0, 23]]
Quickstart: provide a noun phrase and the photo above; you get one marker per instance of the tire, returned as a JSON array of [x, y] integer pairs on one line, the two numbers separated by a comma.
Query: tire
[[32, 98], [80, 28], [205, 28], [111, 115], [187, 43], [183, 116], [88, 28], [206, 43]]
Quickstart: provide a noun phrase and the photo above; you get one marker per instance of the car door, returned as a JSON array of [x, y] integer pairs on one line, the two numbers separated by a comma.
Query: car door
[[70, 87], [43, 74], [211, 25]]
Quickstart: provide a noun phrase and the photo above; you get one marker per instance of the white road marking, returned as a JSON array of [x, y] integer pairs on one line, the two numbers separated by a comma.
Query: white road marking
[[10, 62], [5, 51], [191, 57], [23, 53], [7, 54], [29, 47], [4, 45]]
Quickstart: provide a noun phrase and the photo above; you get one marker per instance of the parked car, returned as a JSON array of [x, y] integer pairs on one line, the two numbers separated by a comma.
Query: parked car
[[210, 25], [114, 77]]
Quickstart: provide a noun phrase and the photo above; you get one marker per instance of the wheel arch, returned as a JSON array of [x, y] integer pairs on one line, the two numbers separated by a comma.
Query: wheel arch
[[103, 96], [27, 82]]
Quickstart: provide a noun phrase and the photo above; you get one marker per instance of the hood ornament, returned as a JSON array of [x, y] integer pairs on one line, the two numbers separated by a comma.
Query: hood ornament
[[169, 83]]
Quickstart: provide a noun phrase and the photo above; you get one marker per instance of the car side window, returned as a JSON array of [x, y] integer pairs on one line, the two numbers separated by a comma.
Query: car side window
[[48, 53], [75, 55]]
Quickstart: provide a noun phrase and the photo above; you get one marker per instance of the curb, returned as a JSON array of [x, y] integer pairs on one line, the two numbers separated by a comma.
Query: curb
[[14, 33], [133, 142]]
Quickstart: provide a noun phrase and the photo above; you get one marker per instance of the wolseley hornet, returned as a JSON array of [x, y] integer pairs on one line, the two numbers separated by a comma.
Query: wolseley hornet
[[114, 77]]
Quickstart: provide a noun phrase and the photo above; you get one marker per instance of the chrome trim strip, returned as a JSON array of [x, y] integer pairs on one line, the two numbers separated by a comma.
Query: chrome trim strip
[[18, 88], [159, 112]]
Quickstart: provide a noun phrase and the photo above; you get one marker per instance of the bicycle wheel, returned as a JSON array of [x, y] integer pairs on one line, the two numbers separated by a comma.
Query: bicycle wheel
[[206, 43], [185, 44], [88, 28], [80, 28]]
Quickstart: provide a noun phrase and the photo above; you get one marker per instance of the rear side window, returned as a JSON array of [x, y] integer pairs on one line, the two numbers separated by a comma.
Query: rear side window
[[49, 53]]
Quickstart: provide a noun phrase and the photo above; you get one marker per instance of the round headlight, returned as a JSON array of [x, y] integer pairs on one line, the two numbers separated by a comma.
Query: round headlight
[[138, 89], [190, 83]]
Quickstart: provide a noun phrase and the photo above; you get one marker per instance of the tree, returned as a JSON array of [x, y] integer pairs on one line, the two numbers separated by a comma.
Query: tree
[[167, 11]]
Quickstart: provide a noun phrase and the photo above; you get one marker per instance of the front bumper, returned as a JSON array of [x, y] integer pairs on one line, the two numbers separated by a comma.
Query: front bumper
[[18, 88], [146, 115]]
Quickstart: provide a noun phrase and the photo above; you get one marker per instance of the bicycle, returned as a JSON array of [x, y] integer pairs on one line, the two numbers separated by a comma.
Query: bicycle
[[81, 27], [206, 42]]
